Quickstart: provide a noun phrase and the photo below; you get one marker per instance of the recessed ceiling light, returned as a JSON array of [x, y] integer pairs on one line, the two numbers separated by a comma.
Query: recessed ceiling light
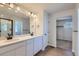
[[2, 5], [18, 8]]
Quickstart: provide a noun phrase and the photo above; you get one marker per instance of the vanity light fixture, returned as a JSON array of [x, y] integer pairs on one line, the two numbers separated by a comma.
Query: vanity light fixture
[[34, 15], [17, 8], [11, 5]]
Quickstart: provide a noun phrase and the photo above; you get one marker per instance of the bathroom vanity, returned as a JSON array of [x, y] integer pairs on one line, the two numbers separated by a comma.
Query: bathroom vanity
[[21, 46], [15, 25]]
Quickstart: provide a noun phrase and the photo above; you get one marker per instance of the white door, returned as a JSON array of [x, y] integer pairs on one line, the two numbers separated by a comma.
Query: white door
[[45, 31]]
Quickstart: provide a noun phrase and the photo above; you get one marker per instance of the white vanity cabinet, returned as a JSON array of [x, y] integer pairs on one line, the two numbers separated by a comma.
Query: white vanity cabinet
[[37, 44], [33, 46], [17, 49], [8, 50], [29, 47]]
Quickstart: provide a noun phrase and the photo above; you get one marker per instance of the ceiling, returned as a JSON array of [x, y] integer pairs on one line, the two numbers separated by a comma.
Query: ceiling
[[49, 7]]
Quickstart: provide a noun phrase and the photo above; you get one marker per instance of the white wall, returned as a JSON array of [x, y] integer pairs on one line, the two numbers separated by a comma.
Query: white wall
[[76, 37], [52, 25], [78, 30]]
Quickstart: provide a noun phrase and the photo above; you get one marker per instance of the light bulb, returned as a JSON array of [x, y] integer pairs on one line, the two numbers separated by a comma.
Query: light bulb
[[18, 8], [34, 15], [2, 5]]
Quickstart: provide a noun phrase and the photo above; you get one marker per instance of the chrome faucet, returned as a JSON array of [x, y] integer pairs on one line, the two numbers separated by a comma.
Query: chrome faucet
[[9, 36]]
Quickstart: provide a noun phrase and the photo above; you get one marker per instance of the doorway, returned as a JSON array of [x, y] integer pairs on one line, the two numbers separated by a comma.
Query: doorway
[[64, 33]]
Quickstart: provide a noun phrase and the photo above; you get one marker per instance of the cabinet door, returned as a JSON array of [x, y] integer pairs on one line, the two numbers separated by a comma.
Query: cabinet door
[[9, 53], [40, 43], [20, 51], [29, 47], [37, 44]]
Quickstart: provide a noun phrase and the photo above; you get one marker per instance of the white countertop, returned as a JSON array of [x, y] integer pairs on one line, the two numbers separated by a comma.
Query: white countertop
[[16, 39]]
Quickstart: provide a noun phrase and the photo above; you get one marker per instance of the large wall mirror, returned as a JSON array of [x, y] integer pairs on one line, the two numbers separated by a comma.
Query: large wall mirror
[[6, 27], [14, 21], [22, 26]]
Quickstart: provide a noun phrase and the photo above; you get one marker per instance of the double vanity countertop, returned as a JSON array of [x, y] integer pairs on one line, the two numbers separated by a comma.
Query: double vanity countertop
[[16, 39]]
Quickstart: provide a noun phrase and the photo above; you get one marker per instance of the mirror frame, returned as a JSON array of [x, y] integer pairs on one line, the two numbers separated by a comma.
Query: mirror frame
[[11, 24]]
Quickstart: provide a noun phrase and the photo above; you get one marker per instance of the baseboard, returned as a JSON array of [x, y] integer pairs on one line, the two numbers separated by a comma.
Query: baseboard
[[51, 45]]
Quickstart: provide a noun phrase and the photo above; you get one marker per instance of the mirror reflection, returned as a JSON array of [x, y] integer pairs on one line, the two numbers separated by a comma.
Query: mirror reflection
[[6, 27], [13, 22], [22, 26]]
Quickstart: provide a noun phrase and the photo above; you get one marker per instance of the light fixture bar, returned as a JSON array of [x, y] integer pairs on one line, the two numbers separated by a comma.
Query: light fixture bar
[[17, 8]]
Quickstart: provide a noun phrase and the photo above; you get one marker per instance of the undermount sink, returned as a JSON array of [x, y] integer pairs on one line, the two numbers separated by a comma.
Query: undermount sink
[[5, 40]]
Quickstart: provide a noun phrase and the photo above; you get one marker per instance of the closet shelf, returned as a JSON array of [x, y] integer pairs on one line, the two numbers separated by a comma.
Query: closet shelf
[[59, 26]]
